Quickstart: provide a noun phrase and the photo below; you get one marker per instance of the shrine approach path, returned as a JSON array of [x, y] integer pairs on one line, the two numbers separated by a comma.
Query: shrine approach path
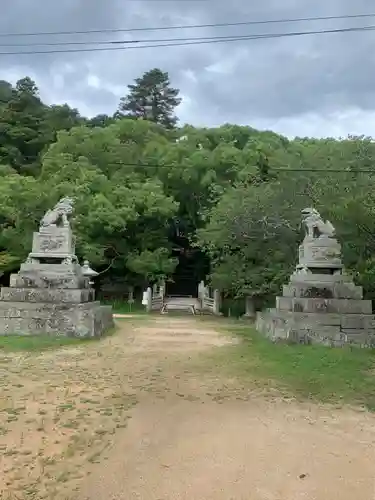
[[155, 412], [199, 435]]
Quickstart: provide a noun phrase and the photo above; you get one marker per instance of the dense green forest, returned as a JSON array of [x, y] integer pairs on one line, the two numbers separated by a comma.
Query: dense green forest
[[138, 178]]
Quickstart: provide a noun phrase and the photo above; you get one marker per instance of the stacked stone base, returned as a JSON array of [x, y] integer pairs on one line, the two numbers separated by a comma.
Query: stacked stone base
[[299, 317], [58, 312], [329, 329], [89, 319]]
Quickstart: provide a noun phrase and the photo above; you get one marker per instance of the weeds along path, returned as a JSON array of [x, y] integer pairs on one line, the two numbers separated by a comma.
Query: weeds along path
[[135, 417]]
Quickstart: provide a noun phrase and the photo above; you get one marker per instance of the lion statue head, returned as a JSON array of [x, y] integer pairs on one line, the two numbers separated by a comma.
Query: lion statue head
[[64, 206]]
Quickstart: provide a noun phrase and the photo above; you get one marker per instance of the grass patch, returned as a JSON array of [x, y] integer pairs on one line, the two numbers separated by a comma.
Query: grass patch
[[14, 343], [315, 372], [123, 307], [36, 343]]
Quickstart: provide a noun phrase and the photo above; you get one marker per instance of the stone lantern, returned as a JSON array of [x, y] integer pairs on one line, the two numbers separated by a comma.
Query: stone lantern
[[88, 272]]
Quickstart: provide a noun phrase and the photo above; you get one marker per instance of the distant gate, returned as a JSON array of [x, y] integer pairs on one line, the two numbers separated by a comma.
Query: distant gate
[[209, 300]]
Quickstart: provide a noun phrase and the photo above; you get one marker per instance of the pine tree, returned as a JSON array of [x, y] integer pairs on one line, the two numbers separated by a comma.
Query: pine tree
[[151, 98]]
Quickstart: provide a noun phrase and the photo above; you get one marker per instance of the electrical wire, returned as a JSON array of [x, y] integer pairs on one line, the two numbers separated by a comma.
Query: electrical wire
[[126, 164], [192, 26], [200, 41], [189, 39], [272, 169]]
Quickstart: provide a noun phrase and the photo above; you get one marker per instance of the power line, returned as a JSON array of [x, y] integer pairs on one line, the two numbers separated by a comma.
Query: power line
[[276, 169], [191, 26], [200, 41], [126, 164], [188, 39]]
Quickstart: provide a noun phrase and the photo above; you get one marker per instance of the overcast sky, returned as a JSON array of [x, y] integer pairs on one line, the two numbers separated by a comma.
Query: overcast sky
[[320, 85]]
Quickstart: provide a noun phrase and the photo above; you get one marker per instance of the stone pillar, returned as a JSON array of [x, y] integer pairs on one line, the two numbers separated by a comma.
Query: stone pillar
[[201, 290], [149, 299], [250, 308], [131, 296], [145, 298], [217, 302], [162, 293]]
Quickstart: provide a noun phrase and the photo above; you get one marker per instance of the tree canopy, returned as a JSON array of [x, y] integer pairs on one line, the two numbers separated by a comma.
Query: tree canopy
[[28, 126], [232, 191]]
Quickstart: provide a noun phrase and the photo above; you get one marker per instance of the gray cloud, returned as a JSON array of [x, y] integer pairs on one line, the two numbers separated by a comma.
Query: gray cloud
[[320, 85]]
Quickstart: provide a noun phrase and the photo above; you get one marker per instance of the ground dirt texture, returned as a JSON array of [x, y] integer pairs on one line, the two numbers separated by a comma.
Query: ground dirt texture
[[129, 418]]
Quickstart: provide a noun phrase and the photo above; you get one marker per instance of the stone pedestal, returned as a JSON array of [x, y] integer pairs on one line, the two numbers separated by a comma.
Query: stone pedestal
[[217, 303], [318, 253], [250, 312], [50, 295], [320, 304]]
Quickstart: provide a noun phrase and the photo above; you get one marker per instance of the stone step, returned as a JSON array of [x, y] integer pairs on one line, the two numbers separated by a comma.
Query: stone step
[[336, 290], [77, 320], [344, 321], [324, 306], [183, 304], [65, 295], [293, 327]]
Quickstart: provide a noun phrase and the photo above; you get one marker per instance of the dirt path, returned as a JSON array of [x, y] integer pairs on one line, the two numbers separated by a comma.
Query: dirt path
[[128, 418]]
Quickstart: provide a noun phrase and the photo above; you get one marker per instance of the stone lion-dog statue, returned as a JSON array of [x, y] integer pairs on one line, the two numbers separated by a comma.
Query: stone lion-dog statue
[[59, 214]]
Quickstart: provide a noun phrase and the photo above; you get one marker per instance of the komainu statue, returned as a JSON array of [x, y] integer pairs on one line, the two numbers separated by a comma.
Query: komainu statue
[[58, 215], [315, 225]]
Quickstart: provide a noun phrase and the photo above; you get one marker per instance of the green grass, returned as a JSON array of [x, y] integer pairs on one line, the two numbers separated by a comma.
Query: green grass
[[14, 343], [122, 307], [321, 373], [35, 343]]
